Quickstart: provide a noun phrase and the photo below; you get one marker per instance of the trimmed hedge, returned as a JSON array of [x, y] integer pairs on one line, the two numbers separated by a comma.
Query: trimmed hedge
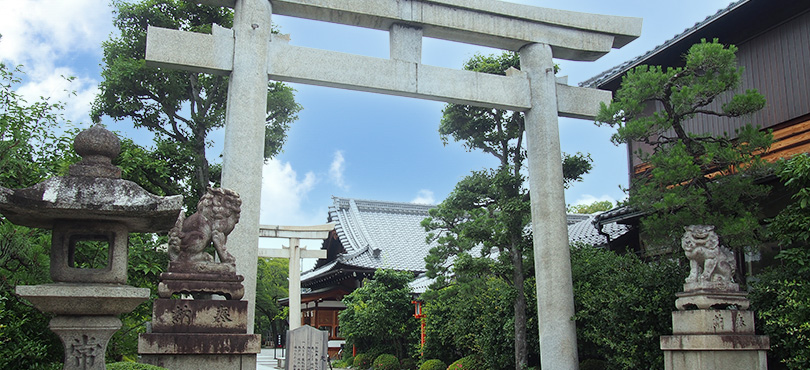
[[433, 365], [362, 361], [386, 362], [467, 363]]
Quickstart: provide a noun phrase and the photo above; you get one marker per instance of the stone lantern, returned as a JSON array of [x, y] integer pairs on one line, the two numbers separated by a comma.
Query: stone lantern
[[92, 204]]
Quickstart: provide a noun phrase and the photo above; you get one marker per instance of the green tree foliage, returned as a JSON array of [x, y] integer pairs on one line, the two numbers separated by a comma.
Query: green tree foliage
[[780, 296], [147, 259], [596, 206], [378, 316], [271, 285], [30, 151], [25, 340], [490, 209], [31, 148], [682, 186], [623, 305], [181, 108], [475, 315]]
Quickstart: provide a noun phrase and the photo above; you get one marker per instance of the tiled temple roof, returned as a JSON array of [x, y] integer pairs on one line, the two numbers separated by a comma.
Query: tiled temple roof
[[377, 234]]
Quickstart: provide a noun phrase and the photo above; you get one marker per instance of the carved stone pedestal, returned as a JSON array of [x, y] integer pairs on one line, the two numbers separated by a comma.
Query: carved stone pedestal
[[199, 334], [85, 339], [719, 334], [87, 316], [227, 284]]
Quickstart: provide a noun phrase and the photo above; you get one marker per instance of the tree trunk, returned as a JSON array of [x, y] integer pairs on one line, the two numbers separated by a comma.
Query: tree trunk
[[521, 356]]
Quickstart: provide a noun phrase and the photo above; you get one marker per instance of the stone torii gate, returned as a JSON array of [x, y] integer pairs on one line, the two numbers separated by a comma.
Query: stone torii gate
[[294, 252], [250, 55]]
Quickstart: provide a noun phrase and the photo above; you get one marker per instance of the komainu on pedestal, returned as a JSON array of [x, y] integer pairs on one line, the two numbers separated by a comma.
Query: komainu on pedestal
[[201, 332], [712, 329]]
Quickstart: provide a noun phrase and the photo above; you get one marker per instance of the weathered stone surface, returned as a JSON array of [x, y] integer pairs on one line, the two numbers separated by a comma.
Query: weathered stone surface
[[552, 260], [83, 299], [83, 198], [85, 339], [712, 299], [97, 147], [92, 204], [93, 190], [67, 234], [713, 322], [712, 265], [306, 349], [497, 24], [199, 316], [710, 342], [714, 360], [405, 42], [712, 329], [198, 343], [228, 285], [217, 214]]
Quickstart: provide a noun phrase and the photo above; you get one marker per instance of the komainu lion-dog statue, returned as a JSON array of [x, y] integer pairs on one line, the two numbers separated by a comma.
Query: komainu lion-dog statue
[[709, 261], [217, 215]]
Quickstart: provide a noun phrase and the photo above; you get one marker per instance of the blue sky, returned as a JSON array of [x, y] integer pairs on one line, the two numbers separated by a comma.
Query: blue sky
[[345, 143]]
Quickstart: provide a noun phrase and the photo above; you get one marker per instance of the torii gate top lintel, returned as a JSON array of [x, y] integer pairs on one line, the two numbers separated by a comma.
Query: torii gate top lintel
[[510, 26], [570, 35]]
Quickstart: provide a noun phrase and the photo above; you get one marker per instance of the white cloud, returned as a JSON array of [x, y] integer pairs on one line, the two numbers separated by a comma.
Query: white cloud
[[336, 170], [283, 193], [424, 196], [43, 31], [54, 86], [51, 39], [588, 199]]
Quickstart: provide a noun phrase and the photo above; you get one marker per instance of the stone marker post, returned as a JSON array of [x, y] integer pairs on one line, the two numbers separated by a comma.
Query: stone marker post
[[294, 252], [306, 349]]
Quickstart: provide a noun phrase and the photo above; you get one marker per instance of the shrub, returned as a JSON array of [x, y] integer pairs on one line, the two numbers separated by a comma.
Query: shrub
[[407, 364], [362, 361], [623, 305], [781, 301], [386, 362], [433, 365], [341, 363], [132, 366], [468, 363]]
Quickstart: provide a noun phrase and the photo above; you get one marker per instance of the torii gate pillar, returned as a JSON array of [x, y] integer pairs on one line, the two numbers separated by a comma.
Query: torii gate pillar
[[552, 260], [244, 134]]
